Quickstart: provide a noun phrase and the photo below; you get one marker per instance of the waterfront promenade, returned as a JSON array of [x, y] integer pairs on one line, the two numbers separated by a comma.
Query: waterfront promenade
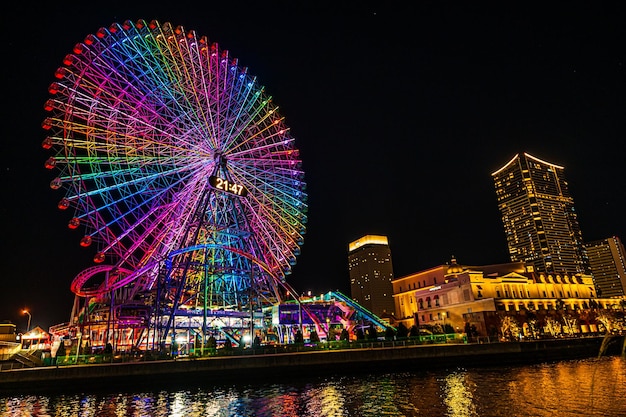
[[254, 365]]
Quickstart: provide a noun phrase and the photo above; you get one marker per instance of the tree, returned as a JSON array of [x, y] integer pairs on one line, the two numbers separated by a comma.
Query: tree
[[509, 327], [414, 332], [298, 338], [569, 324], [389, 333], [611, 320], [553, 326], [212, 343], [359, 334], [437, 329], [533, 326], [402, 331], [371, 332], [344, 334], [314, 338]]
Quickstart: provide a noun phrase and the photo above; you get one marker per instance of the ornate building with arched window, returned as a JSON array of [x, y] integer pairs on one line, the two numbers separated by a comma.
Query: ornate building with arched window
[[459, 296]]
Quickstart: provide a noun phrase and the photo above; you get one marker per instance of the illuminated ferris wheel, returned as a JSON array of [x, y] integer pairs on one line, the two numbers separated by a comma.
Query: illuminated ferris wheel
[[177, 168]]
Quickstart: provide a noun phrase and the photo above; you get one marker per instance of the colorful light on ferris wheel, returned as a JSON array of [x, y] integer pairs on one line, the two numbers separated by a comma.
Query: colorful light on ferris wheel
[[138, 115]]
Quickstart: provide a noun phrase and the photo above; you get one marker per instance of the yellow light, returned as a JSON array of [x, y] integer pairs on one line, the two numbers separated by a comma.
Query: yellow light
[[368, 240]]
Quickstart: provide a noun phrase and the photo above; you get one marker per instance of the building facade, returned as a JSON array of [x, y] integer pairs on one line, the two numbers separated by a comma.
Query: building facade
[[371, 272], [540, 222], [479, 296], [607, 259]]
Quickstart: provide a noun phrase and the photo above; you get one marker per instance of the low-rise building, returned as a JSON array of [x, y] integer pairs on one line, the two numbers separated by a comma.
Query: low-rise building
[[476, 297]]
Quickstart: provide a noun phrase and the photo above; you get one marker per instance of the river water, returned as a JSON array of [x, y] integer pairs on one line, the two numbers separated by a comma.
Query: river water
[[588, 387]]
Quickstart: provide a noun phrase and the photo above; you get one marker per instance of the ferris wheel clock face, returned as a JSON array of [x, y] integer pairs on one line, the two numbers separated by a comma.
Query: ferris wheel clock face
[[144, 121], [228, 186]]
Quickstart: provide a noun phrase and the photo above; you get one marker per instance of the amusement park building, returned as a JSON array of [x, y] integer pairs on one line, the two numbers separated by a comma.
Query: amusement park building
[[456, 295]]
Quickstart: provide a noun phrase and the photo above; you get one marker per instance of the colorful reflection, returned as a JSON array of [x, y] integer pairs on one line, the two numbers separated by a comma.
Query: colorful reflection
[[591, 387]]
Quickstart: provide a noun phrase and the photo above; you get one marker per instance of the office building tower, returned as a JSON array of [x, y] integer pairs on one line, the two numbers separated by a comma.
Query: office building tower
[[607, 259], [540, 222], [371, 273]]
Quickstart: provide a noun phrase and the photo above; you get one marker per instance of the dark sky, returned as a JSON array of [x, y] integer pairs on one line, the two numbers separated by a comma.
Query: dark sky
[[400, 113]]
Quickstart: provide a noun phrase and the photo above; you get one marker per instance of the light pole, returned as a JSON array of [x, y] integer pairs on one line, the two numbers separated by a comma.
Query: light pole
[[29, 317]]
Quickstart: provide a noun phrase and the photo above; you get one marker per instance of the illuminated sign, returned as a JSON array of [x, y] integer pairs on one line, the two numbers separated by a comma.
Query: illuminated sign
[[228, 186]]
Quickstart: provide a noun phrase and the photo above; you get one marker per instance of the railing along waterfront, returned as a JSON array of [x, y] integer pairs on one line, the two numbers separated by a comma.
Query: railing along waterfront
[[72, 358], [139, 355]]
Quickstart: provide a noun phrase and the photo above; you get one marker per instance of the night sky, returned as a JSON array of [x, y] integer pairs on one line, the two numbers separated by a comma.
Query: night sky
[[400, 113]]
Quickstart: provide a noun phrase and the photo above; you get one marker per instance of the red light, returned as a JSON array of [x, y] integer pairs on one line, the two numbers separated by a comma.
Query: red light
[[63, 204], [49, 105], [68, 60], [50, 163], [54, 88], [74, 223], [47, 143], [56, 183], [60, 73]]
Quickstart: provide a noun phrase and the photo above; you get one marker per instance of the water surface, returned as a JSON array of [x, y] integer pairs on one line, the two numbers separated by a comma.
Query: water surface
[[589, 387]]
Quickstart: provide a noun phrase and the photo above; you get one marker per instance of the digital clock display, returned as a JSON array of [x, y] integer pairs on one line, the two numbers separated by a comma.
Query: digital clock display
[[228, 186]]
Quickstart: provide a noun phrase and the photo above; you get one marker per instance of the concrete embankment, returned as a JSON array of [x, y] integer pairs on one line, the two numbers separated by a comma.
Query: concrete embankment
[[264, 367]]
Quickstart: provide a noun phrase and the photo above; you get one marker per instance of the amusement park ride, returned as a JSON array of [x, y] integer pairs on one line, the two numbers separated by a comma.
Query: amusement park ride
[[188, 187]]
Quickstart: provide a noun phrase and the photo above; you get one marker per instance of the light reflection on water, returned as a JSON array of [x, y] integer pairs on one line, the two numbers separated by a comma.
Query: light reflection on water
[[590, 387]]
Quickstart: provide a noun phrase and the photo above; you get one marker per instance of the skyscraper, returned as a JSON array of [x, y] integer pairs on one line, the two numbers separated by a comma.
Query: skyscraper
[[371, 272], [607, 259], [540, 222]]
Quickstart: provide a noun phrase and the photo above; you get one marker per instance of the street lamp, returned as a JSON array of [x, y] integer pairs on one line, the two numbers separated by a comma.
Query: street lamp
[[29, 317]]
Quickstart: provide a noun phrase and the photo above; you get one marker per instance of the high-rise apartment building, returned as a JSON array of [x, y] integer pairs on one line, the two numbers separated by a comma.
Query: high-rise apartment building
[[540, 222], [371, 273], [607, 259]]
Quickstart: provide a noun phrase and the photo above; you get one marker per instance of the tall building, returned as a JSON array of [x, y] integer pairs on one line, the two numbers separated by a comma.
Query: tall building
[[607, 259], [371, 273], [539, 219]]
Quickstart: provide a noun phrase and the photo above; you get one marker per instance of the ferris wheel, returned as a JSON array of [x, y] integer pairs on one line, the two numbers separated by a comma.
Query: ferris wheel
[[176, 167]]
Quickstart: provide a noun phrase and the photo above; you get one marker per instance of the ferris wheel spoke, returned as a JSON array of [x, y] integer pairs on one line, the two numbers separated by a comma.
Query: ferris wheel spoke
[[276, 185], [244, 117]]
